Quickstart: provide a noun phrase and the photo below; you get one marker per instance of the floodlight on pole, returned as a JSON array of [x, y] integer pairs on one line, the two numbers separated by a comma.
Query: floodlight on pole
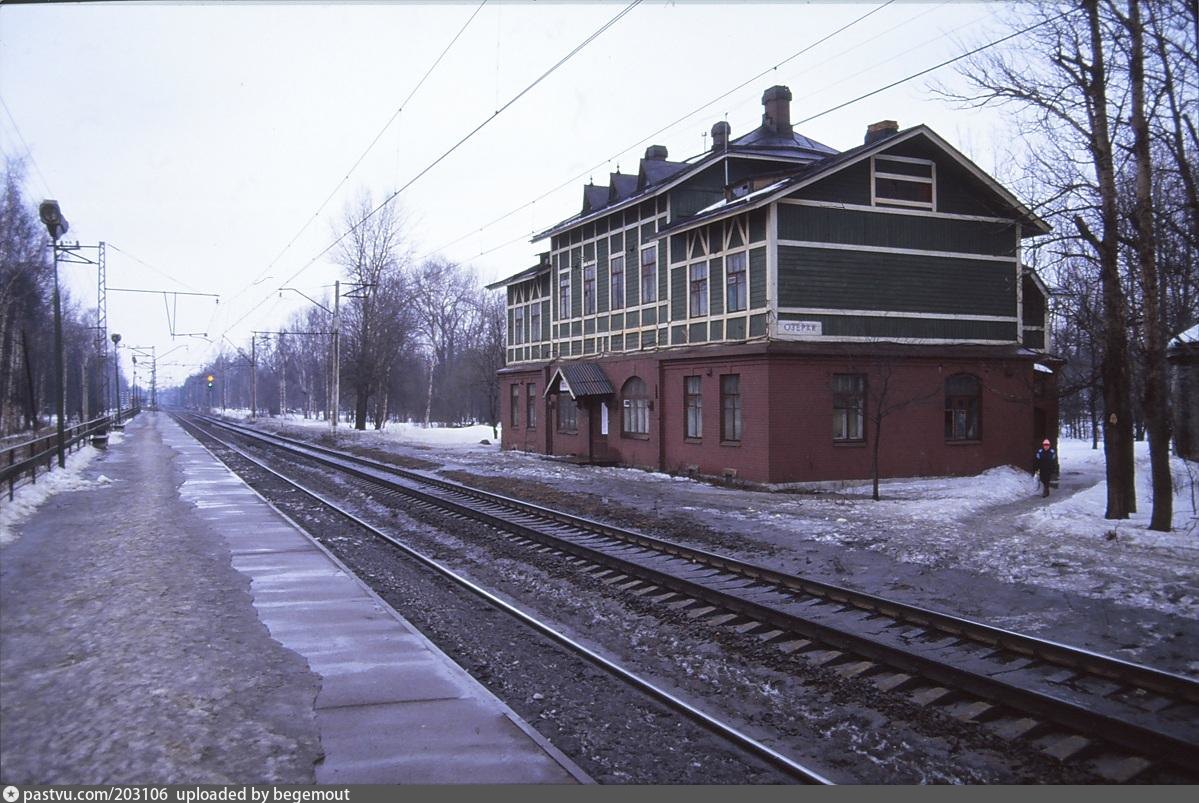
[[116, 373], [56, 226]]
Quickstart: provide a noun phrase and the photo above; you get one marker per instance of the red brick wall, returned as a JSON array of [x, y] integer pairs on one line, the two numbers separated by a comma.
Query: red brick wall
[[913, 434], [749, 457], [787, 418], [520, 436]]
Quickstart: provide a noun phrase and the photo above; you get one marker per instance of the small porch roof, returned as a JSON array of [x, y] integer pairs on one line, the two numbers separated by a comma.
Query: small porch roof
[[580, 380]]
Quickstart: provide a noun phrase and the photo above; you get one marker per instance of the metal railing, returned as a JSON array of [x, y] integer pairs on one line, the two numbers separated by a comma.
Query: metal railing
[[20, 464]]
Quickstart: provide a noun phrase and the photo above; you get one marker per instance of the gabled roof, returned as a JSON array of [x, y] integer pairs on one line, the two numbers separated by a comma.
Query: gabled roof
[[594, 197], [622, 187], [524, 275], [655, 171], [581, 379], [815, 171]]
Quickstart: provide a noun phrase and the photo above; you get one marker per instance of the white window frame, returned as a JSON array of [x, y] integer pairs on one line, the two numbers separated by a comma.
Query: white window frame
[[564, 313], [624, 276], [876, 173], [641, 278], [594, 268]]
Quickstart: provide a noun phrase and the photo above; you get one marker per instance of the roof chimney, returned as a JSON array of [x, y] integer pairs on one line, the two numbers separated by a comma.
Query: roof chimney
[[880, 130], [656, 153], [776, 107], [720, 136]]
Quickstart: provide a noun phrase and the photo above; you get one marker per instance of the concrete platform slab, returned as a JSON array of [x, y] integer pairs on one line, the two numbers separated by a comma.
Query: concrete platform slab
[[392, 708]]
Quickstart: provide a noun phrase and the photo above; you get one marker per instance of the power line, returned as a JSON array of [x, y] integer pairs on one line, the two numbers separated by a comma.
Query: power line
[[579, 47], [798, 122], [145, 264], [664, 128], [926, 71], [374, 142], [28, 150]]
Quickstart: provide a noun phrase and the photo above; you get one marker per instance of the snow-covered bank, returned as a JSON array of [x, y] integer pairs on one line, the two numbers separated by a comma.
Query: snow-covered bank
[[28, 498]]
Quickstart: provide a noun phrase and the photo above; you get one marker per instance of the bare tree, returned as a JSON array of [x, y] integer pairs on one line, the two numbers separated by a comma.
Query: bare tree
[[373, 253]]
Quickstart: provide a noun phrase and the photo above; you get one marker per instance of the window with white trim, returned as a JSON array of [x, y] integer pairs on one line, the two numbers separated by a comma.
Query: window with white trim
[[903, 181], [735, 270], [693, 407], [589, 289], [564, 295], [518, 324], [699, 289], [535, 322], [649, 274], [616, 272], [635, 401]]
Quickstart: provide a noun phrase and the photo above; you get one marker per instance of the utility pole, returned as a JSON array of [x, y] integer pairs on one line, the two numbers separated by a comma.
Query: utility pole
[[253, 376], [336, 349], [57, 226], [116, 378]]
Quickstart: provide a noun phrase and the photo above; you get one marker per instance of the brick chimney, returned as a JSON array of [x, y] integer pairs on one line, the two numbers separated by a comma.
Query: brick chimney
[[776, 110], [656, 153], [880, 130], [720, 136]]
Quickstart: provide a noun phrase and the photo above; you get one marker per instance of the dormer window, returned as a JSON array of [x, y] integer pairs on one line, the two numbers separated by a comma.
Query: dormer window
[[903, 181]]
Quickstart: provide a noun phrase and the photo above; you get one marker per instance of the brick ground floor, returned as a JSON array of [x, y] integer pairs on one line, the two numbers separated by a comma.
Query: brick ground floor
[[780, 413]]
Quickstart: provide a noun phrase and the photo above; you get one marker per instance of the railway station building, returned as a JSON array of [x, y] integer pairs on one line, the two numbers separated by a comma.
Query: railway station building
[[773, 309]]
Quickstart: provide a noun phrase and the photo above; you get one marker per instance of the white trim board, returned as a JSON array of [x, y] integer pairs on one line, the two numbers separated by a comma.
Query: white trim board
[[944, 316], [889, 211], [879, 249]]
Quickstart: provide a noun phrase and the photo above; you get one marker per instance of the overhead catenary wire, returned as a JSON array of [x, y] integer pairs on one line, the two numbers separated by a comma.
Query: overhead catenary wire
[[558, 64], [403, 104], [28, 151], [666, 127], [827, 111], [145, 264]]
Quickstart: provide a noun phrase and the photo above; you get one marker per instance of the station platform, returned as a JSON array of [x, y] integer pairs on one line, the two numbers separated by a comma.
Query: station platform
[[166, 624]]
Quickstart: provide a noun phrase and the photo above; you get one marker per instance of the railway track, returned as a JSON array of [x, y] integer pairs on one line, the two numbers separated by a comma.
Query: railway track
[[1119, 718], [788, 766]]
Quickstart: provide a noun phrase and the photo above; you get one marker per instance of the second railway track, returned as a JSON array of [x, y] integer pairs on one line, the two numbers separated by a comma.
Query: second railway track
[[1119, 717]]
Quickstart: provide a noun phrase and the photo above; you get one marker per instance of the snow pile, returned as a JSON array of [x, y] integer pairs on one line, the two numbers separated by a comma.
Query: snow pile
[[401, 431], [28, 498]]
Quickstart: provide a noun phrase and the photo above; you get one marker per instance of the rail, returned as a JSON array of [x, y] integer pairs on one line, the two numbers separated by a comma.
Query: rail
[[21, 463]]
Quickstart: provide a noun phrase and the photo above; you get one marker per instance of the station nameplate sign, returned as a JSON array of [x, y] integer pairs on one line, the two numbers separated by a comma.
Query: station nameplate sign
[[798, 329]]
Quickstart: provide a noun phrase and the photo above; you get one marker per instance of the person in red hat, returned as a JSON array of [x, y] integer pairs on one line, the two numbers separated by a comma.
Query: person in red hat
[[1045, 465]]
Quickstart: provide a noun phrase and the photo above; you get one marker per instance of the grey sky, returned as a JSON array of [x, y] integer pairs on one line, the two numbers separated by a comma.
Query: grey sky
[[200, 138]]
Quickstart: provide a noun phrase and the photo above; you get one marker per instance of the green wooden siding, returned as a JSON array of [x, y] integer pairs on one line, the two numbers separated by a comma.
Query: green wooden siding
[[757, 277], [852, 227], [601, 276], [632, 270], [716, 285], [937, 328], [958, 191], [850, 185], [1034, 338], [815, 277], [1034, 304], [678, 289]]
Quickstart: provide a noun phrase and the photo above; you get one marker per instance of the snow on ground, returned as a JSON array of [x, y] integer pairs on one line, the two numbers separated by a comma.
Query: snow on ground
[[29, 497], [984, 546], [399, 431]]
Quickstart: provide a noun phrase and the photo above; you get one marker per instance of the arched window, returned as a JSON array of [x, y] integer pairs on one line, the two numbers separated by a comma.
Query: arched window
[[634, 419], [962, 408]]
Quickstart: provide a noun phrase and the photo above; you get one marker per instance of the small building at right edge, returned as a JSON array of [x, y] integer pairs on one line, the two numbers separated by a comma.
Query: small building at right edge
[[773, 309]]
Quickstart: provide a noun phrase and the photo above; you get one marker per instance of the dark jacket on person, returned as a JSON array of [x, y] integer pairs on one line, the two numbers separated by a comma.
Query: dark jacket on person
[[1045, 463]]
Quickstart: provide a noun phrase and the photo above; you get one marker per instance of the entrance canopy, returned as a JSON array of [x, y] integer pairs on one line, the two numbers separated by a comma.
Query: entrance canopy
[[580, 380]]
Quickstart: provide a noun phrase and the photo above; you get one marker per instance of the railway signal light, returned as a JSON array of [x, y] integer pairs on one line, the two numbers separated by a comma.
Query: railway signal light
[[210, 379]]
